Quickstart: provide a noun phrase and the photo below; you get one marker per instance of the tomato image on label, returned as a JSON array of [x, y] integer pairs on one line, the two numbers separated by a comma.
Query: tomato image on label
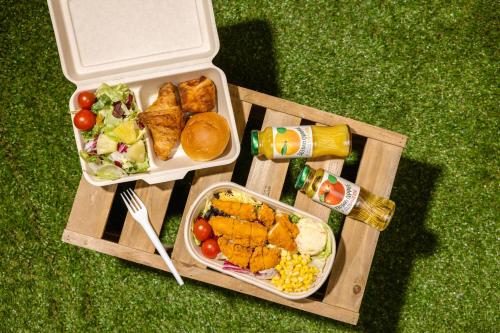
[[331, 191], [287, 142]]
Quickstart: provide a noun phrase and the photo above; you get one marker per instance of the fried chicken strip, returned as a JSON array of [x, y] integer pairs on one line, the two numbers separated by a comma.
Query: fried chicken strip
[[282, 234], [240, 210], [236, 254], [282, 218], [266, 215], [264, 258], [244, 233]]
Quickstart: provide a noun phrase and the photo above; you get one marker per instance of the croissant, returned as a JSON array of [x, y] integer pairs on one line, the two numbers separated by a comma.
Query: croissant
[[198, 95], [164, 120]]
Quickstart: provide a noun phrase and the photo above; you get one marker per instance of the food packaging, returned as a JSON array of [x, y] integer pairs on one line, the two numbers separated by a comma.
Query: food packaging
[[195, 251], [144, 44]]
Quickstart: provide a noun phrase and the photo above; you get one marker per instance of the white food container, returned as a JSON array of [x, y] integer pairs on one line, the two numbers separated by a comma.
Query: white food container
[[144, 44], [195, 251]]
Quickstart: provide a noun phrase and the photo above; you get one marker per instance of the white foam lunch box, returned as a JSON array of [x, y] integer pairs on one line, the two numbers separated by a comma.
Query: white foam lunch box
[[195, 251], [144, 44]]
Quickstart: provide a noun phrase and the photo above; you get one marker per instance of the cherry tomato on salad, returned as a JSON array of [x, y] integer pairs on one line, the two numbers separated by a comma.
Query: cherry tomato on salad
[[210, 248], [86, 99], [84, 120], [201, 229]]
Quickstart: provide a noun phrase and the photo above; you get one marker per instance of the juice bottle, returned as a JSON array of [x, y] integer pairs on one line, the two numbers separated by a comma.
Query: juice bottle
[[302, 141], [345, 197]]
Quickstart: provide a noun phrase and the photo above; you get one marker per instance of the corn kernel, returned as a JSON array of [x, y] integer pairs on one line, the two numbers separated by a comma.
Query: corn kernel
[[295, 275]]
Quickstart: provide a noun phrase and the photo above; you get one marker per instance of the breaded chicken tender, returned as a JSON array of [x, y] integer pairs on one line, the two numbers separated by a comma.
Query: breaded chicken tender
[[282, 234], [264, 258], [240, 210], [292, 227], [236, 254], [266, 215], [240, 232]]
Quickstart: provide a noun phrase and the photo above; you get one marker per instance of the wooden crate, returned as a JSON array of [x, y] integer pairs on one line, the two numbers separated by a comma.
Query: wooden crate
[[357, 243]]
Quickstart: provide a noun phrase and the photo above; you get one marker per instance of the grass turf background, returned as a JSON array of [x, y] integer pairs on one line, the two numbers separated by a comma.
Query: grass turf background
[[427, 69]]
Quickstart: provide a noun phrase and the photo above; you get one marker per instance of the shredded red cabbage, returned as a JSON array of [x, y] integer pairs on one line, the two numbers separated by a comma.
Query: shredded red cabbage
[[117, 110], [91, 146], [140, 125], [262, 275], [118, 164], [121, 147], [130, 98], [232, 267]]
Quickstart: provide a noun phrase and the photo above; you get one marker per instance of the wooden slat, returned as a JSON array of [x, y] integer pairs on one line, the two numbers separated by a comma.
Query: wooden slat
[[155, 198], [268, 176], [322, 117], [91, 209], [303, 202], [204, 178], [207, 276], [352, 264]]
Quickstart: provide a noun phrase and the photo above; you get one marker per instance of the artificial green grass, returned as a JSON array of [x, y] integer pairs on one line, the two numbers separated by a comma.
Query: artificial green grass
[[426, 69]]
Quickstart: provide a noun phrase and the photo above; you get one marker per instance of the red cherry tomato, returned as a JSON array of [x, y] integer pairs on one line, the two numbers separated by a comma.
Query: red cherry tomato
[[86, 99], [210, 248], [202, 229], [84, 120]]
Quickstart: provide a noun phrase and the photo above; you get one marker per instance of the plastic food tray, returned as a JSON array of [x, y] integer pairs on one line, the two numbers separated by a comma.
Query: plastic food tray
[[198, 205], [143, 44]]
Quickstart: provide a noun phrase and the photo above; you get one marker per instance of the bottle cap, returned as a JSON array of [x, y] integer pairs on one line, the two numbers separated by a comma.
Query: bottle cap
[[301, 180], [254, 144]]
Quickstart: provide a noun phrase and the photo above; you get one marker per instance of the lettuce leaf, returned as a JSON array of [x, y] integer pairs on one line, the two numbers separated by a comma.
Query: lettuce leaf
[[110, 172], [328, 246], [112, 94]]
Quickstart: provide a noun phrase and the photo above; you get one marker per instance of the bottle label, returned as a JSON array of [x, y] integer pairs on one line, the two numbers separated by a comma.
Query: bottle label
[[292, 141], [337, 193]]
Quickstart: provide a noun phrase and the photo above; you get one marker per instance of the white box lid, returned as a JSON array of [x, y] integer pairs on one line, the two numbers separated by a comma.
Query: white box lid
[[111, 39]]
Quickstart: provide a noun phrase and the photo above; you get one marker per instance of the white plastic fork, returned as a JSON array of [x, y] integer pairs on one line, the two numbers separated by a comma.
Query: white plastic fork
[[139, 212]]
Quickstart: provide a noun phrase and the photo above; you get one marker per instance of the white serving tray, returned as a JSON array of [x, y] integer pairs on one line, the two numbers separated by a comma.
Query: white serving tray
[[195, 251], [143, 43]]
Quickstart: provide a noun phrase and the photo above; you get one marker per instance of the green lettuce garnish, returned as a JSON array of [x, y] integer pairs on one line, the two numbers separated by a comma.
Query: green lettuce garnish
[[109, 94], [110, 172], [328, 246]]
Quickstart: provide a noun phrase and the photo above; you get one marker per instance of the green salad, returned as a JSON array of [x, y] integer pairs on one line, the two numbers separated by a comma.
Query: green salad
[[115, 146]]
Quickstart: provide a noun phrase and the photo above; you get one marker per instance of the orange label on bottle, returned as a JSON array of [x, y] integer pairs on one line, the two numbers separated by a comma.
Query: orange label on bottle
[[294, 141], [337, 193]]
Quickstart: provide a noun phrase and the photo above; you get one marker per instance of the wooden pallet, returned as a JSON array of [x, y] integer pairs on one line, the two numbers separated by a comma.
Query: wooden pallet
[[346, 285]]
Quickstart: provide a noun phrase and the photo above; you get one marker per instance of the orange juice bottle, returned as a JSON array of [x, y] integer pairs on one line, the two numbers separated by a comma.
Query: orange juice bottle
[[345, 197], [302, 141]]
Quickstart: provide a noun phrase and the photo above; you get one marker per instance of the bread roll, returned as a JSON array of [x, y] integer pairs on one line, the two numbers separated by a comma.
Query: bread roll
[[205, 136]]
